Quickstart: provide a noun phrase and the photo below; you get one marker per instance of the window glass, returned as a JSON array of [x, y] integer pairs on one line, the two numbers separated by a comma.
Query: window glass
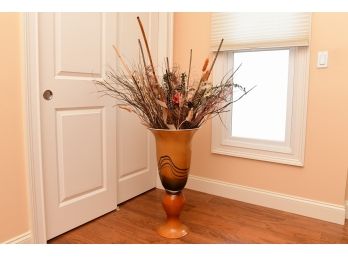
[[262, 113]]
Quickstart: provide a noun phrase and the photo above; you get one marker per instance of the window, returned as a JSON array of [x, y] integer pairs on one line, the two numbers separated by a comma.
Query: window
[[264, 109], [269, 123]]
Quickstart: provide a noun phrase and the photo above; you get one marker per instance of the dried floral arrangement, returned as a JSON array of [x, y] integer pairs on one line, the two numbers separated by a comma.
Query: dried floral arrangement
[[174, 101]]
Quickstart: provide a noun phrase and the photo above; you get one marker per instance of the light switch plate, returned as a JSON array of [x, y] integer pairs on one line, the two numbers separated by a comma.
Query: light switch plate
[[322, 61]]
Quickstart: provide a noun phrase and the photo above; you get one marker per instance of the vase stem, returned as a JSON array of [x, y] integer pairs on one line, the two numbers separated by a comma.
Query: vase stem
[[173, 227]]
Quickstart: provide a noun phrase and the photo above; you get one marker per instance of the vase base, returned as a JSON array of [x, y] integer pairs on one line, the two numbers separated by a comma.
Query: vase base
[[173, 227], [172, 230]]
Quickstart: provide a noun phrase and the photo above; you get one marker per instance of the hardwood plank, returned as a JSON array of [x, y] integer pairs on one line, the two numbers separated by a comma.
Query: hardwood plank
[[211, 219]]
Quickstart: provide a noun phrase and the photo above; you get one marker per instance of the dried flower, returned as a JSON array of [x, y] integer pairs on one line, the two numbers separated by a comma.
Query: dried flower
[[171, 101], [176, 98]]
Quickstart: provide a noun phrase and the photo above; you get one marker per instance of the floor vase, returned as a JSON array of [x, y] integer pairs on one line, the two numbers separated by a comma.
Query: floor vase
[[173, 151]]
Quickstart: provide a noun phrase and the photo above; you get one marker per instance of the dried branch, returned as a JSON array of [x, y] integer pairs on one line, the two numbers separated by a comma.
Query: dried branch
[[171, 101], [147, 47]]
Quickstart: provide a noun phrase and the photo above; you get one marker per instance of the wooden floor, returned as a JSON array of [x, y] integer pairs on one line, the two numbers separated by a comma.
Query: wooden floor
[[211, 219]]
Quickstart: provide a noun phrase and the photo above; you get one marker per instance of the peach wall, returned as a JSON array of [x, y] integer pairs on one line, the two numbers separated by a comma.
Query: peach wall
[[326, 161], [13, 187], [323, 177]]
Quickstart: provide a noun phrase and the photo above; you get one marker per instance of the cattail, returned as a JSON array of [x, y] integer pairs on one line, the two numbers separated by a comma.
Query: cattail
[[205, 76], [205, 65]]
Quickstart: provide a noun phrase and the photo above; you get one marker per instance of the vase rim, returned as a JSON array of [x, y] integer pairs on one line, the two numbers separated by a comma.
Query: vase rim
[[173, 130]]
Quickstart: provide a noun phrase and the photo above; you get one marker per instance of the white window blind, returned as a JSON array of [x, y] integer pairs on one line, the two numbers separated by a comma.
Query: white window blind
[[259, 30]]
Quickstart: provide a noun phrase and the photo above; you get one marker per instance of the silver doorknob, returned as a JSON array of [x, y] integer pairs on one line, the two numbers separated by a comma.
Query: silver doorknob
[[47, 95]]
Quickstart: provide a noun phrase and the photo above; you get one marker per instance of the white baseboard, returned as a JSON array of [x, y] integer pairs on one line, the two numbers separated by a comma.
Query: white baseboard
[[346, 209], [25, 238], [289, 203]]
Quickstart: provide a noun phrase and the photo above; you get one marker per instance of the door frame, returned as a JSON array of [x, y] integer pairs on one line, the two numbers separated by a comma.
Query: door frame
[[32, 113]]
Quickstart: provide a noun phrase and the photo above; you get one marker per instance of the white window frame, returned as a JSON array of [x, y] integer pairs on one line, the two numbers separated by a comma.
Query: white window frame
[[291, 151]]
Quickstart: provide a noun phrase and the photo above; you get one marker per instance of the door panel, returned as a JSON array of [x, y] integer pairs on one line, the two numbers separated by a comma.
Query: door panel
[[80, 155], [76, 35], [134, 177], [133, 146]]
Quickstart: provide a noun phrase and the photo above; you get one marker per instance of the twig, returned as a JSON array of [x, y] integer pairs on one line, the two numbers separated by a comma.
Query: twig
[[216, 55], [122, 61], [189, 71], [147, 48], [144, 62]]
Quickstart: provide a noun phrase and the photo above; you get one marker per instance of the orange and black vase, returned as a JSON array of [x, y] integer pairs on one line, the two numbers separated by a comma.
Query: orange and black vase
[[173, 149]]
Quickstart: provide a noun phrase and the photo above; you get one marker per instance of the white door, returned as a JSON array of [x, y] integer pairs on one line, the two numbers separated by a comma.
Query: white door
[[93, 155], [135, 150]]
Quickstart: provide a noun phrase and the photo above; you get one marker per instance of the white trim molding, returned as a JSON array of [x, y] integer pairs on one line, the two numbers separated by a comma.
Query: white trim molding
[[289, 203], [346, 206], [33, 135], [25, 238]]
